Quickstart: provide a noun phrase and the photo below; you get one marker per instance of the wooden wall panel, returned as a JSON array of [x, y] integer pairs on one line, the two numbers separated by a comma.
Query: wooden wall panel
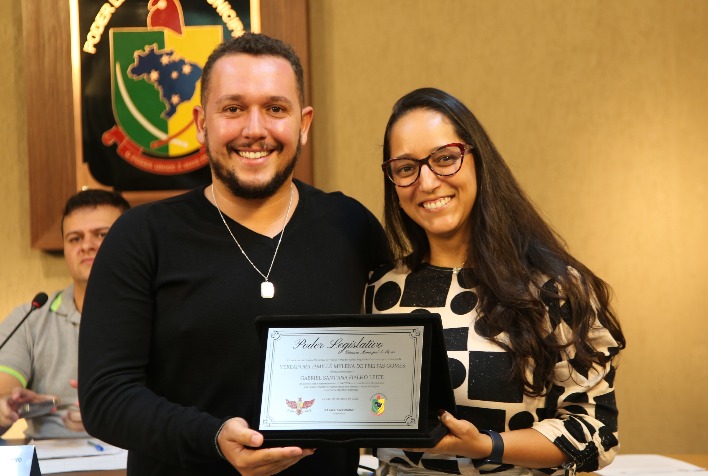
[[50, 121]]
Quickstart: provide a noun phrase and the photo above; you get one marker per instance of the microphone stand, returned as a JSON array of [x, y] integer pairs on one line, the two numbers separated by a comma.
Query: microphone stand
[[39, 300]]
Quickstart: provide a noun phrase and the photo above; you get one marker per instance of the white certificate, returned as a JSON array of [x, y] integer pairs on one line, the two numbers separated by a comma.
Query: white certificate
[[321, 378]]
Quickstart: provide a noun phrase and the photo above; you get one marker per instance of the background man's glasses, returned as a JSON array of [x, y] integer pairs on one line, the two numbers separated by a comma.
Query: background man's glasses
[[444, 161]]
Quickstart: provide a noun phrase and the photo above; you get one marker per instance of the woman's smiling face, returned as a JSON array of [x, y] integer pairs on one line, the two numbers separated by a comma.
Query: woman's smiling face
[[442, 206]]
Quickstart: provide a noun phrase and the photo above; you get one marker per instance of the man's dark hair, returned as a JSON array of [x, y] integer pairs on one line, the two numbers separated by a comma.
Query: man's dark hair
[[255, 44], [93, 198]]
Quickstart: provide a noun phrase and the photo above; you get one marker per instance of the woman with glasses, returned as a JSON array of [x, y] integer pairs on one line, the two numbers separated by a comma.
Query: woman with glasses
[[531, 338]]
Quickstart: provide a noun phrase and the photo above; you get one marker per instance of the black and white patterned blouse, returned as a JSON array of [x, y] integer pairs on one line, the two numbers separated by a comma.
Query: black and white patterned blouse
[[578, 413]]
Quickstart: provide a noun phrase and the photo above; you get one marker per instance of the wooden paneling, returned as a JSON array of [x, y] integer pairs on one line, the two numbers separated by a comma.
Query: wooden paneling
[[54, 168], [50, 120]]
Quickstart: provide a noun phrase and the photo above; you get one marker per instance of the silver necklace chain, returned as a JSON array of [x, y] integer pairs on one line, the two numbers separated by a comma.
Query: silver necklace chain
[[282, 232]]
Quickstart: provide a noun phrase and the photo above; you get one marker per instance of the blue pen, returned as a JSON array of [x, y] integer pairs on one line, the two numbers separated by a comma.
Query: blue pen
[[95, 445]]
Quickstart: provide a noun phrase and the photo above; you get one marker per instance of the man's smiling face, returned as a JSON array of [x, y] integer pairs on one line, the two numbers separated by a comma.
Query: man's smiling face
[[252, 123]]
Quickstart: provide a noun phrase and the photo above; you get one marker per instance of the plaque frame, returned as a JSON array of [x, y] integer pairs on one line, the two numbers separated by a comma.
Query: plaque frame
[[435, 385]]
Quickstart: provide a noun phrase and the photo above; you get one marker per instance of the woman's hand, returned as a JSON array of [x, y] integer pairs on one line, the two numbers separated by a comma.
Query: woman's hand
[[463, 439], [526, 448]]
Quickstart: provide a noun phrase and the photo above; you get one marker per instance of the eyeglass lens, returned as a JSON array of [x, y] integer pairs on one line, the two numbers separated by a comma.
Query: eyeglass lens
[[444, 161]]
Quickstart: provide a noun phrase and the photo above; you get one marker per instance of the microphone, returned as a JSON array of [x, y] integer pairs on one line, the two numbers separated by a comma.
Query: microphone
[[39, 300]]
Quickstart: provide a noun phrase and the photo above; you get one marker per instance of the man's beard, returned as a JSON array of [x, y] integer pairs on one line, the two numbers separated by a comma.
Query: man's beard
[[239, 189]]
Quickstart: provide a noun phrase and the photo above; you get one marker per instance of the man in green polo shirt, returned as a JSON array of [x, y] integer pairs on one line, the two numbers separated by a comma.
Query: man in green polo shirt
[[39, 361]]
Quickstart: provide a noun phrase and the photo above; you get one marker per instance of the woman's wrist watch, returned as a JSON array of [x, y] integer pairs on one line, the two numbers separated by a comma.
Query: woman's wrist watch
[[494, 460]]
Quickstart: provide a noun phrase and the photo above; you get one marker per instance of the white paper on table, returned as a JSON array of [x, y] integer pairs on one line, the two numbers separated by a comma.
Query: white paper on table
[[72, 447], [655, 465], [78, 454], [85, 463]]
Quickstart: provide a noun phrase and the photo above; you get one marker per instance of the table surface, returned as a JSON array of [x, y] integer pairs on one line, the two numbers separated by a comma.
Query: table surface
[[105, 472], [697, 459]]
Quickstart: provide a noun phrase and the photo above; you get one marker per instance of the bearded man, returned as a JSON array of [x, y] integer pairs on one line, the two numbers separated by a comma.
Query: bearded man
[[169, 353]]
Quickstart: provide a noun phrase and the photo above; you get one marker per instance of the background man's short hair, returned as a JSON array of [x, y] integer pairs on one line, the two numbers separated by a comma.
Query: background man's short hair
[[93, 198]]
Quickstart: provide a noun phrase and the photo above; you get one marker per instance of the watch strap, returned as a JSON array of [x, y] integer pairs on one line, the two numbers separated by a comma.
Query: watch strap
[[494, 460]]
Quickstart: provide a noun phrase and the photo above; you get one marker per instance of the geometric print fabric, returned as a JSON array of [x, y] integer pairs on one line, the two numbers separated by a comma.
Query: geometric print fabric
[[480, 370]]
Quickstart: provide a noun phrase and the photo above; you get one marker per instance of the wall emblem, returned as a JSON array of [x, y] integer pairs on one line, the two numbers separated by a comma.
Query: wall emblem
[[141, 66]]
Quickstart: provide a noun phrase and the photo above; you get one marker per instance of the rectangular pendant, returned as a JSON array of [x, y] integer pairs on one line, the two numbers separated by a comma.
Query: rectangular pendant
[[267, 289]]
